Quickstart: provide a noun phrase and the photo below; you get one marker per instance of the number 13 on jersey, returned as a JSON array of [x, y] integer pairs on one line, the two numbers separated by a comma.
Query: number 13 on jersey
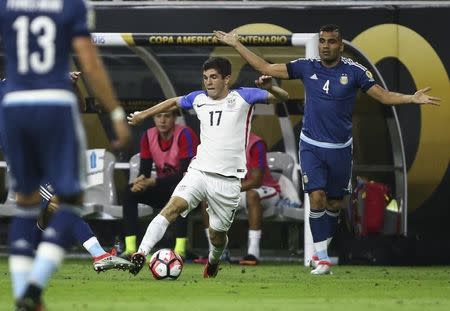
[[43, 28]]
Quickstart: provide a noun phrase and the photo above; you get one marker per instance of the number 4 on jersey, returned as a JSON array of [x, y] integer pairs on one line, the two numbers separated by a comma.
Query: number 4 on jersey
[[326, 86]]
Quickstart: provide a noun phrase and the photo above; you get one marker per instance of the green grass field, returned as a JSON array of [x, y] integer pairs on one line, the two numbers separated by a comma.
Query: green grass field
[[266, 287]]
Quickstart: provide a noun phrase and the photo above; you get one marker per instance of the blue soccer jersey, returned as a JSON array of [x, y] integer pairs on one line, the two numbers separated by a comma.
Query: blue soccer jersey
[[37, 38], [330, 97], [2, 88]]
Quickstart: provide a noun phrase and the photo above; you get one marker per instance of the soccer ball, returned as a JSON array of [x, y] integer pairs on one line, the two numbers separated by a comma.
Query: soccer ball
[[165, 264]]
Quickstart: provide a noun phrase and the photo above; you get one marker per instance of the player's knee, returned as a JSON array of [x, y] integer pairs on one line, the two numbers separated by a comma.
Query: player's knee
[[252, 197], [174, 208], [334, 205], [318, 199]]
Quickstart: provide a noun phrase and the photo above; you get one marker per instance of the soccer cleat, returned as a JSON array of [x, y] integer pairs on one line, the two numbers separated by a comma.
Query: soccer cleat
[[314, 261], [249, 260], [126, 256], [27, 304], [323, 267], [107, 262], [211, 270], [138, 260]]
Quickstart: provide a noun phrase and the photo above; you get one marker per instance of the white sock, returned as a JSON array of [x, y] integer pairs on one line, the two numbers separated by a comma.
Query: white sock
[[322, 250], [155, 232], [19, 268], [216, 253], [210, 246], [254, 236], [93, 247], [328, 244]]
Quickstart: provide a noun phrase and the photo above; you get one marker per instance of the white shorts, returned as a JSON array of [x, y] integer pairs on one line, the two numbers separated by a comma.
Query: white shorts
[[268, 195], [221, 193]]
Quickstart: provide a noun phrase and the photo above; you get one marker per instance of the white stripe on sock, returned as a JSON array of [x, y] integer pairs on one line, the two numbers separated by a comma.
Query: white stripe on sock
[[90, 242], [51, 252], [20, 263]]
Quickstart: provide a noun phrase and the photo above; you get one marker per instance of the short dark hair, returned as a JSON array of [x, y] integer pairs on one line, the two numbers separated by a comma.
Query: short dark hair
[[332, 28], [222, 65]]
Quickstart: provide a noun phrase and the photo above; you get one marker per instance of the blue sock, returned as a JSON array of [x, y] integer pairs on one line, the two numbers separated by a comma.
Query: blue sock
[[22, 240], [93, 247], [319, 229], [332, 219], [82, 231], [58, 237]]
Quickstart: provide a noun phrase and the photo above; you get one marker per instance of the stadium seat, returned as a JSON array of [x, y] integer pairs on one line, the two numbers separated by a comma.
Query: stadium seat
[[134, 167], [282, 167], [100, 196], [288, 207]]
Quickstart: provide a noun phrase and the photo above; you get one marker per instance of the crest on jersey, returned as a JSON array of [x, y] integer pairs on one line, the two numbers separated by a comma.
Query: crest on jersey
[[231, 101], [344, 79], [369, 75]]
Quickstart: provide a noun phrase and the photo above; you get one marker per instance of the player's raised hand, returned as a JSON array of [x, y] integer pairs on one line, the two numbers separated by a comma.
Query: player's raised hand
[[229, 38], [420, 97], [264, 82], [135, 118]]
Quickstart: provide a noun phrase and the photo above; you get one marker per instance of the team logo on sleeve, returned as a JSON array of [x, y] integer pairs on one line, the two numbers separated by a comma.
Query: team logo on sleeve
[[344, 79], [305, 179], [369, 75]]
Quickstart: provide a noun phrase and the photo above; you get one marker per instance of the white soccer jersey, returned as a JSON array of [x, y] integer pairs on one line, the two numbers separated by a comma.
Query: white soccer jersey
[[224, 129]]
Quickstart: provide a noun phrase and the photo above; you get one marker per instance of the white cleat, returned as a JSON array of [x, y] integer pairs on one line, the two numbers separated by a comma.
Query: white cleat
[[314, 262], [323, 267]]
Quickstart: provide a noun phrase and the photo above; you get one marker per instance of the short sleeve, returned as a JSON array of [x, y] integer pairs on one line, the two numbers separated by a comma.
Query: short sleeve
[[187, 101], [83, 19], [253, 95], [296, 68], [365, 79]]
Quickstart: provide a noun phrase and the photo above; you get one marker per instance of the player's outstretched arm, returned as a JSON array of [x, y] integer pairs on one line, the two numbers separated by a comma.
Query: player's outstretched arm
[[392, 98], [276, 94], [93, 69], [137, 117], [232, 39]]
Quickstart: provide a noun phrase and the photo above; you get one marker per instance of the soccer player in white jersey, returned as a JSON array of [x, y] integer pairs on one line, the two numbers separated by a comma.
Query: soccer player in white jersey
[[38, 37], [331, 84], [215, 172]]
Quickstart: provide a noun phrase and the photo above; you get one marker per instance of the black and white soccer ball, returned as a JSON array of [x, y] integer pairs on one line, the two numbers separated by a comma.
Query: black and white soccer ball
[[165, 264]]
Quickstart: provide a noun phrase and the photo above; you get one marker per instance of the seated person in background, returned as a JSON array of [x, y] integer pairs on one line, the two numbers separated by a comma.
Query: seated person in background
[[171, 147], [260, 191]]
